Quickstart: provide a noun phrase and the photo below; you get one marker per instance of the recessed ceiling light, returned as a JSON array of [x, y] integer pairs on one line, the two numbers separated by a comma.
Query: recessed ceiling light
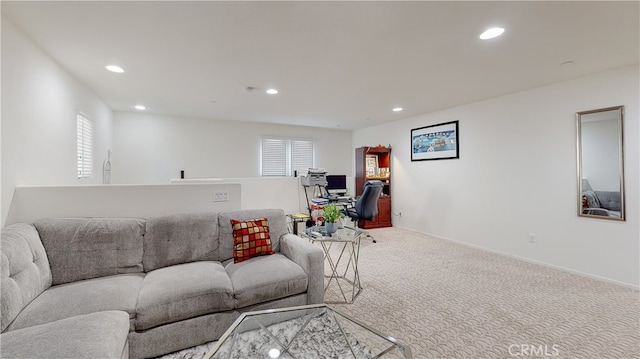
[[115, 68], [491, 33], [140, 107], [397, 109], [272, 91]]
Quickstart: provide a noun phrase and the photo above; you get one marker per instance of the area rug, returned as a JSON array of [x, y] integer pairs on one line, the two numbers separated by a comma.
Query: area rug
[[447, 300], [317, 337]]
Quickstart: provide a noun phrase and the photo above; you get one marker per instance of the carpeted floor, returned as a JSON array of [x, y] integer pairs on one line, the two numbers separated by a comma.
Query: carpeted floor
[[447, 300]]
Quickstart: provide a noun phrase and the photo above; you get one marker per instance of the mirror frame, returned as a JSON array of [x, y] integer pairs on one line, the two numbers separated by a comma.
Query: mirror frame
[[620, 110]]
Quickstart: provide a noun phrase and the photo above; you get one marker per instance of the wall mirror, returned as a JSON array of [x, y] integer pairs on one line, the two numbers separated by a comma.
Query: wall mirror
[[601, 163]]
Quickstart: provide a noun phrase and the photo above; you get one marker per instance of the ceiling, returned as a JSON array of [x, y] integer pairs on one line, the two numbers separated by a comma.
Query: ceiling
[[336, 64]]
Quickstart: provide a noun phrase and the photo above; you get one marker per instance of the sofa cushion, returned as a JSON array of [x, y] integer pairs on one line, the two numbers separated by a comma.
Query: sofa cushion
[[250, 238], [25, 270], [118, 292], [85, 248], [183, 291], [180, 238], [265, 278], [277, 228], [610, 200], [95, 335]]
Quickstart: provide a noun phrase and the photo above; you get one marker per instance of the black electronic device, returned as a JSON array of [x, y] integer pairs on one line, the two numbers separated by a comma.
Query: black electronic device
[[337, 184]]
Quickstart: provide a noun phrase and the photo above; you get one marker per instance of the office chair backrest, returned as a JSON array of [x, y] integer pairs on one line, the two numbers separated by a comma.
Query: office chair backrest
[[367, 205]]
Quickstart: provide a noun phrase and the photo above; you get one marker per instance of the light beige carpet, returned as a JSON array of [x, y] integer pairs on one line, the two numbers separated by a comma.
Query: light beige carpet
[[447, 300]]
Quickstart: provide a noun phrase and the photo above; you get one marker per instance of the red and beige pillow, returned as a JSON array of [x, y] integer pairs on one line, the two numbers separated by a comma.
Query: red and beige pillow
[[250, 239]]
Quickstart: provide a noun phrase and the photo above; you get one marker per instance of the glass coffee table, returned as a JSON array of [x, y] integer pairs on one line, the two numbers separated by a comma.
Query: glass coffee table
[[310, 331]]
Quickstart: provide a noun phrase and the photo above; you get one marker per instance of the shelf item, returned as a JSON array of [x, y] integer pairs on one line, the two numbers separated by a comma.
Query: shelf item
[[294, 219], [374, 163], [299, 215]]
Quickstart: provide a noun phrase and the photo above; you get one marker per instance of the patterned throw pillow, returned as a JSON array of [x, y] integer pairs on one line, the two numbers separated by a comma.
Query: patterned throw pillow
[[250, 239]]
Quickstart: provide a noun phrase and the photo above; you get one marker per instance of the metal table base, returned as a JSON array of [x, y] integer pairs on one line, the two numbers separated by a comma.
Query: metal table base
[[347, 279]]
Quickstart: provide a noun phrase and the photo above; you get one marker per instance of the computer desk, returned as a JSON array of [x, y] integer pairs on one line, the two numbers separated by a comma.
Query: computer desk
[[341, 200], [345, 202]]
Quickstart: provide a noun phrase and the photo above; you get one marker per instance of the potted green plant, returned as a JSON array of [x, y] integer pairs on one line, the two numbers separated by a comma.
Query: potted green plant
[[331, 216]]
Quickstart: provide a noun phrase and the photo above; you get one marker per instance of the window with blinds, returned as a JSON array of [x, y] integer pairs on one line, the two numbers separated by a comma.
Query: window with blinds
[[301, 155], [283, 156], [85, 147]]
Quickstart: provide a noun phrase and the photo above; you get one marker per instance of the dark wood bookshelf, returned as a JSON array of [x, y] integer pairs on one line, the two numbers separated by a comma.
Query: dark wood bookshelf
[[382, 157]]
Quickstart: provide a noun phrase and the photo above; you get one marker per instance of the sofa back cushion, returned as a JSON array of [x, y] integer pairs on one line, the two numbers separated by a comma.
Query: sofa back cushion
[[610, 200], [25, 269], [277, 227], [85, 248], [181, 238]]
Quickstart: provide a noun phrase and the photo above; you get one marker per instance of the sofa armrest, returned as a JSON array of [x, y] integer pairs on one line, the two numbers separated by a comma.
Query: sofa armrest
[[311, 259], [596, 211]]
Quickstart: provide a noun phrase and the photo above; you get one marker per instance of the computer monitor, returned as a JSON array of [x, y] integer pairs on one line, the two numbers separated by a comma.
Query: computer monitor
[[337, 184]]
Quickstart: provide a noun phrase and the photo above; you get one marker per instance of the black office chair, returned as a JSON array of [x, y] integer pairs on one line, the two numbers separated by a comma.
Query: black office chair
[[366, 206]]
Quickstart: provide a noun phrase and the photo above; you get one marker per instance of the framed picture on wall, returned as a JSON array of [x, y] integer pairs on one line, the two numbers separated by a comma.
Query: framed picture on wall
[[435, 142]]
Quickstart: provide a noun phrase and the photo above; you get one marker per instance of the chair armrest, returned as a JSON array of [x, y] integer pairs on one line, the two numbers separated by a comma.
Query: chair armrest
[[311, 259]]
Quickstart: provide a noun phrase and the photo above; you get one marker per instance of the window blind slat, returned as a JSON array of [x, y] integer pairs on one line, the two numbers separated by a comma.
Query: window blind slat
[[283, 156], [84, 147], [301, 155], [274, 153]]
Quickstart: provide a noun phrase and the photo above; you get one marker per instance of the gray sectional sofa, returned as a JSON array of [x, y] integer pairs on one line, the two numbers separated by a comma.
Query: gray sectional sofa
[[141, 288], [603, 203]]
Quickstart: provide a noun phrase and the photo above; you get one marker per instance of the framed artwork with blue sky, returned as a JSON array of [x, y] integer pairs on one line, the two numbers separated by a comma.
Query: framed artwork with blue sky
[[435, 142]]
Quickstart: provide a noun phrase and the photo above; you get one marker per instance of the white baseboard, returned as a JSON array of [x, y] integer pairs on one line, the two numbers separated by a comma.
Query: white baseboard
[[580, 273], [529, 260]]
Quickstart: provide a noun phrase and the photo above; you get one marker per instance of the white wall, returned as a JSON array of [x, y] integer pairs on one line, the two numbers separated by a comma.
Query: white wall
[[286, 192], [517, 175], [40, 101], [143, 201], [153, 149]]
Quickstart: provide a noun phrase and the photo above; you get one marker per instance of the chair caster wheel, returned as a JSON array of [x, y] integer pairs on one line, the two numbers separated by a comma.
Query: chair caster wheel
[[374, 241]]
